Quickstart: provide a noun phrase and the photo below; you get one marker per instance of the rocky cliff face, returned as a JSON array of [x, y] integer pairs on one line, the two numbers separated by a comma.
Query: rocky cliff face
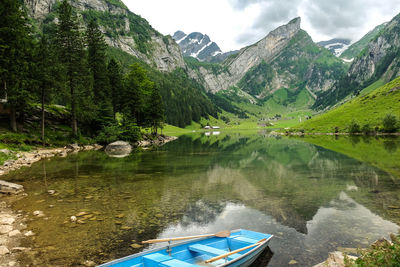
[[380, 59], [286, 59], [123, 29], [248, 57]]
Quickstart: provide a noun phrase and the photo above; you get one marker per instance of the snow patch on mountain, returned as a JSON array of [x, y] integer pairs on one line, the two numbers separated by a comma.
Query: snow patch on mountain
[[337, 46]]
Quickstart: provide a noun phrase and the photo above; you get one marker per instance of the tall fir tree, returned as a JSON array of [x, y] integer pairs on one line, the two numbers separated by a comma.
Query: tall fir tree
[[137, 88], [47, 72], [98, 70], [16, 45], [115, 78], [155, 111], [72, 54]]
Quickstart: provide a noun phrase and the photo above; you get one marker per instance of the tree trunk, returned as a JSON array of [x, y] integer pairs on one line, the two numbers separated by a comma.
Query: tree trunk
[[43, 118], [13, 118]]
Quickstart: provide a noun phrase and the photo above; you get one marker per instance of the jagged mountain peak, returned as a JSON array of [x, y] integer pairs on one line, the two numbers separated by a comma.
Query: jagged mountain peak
[[197, 45]]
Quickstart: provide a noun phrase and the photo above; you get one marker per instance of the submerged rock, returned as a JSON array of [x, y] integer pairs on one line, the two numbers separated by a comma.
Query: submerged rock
[[14, 233], [38, 213], [5, 229], [10, 188], [118, 149], [4, 250]]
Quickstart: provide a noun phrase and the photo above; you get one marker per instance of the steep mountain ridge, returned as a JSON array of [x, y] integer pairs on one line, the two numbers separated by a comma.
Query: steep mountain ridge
[[355, 49], [380, 59], [285, 61], [122, 29]]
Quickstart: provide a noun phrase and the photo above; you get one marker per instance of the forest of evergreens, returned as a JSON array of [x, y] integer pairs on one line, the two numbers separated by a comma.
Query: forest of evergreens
[[68, 63]]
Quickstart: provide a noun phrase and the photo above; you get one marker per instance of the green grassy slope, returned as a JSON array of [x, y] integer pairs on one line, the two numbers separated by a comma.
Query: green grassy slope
[[370, 108]]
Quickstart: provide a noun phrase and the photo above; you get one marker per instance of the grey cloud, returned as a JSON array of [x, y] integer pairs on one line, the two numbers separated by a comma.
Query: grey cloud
[[241, 4], [272, 15], [340, 18], [247, 38], [335, 18]]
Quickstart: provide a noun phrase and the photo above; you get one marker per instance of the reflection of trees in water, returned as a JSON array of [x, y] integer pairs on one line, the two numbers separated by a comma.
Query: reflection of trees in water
[[390, 146], [202, 212], [355, 139]]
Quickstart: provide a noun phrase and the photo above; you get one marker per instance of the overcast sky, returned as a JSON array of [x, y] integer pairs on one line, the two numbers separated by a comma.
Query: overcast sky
[[233, 24]]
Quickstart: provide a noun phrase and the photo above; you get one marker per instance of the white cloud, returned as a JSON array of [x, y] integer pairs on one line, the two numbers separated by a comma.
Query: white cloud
[[233, 24]]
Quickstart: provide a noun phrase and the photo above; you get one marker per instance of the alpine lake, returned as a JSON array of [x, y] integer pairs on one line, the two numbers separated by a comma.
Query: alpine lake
[[315, 194]]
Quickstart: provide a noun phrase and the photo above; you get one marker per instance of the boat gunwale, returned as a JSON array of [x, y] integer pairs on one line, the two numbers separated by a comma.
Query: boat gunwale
[[247, 253], [140, 254]]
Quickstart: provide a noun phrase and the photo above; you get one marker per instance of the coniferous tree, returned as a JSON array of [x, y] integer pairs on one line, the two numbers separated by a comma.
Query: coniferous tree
[[155, 111], [137, 87], [72, 55], [116, 86], [16, 45], [97, 61], [98, 68], [47, 72]]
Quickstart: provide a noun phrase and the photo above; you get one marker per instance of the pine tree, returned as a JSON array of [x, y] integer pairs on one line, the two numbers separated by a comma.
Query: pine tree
[[116, 85], [155, 111], [47, 73], [97, 62], [16, 62], [72, 55], [137, 87], [98, 68]]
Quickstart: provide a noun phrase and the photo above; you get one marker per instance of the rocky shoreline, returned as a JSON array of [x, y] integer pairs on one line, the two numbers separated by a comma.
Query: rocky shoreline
[[13, 228]]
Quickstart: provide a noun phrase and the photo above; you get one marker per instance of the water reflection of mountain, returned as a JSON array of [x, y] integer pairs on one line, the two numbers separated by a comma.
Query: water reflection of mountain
[[282, 184], [286, 178]]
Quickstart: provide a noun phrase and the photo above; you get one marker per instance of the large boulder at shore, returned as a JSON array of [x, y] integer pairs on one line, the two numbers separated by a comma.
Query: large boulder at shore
[[10, 188], [335, 259], [118, 149]]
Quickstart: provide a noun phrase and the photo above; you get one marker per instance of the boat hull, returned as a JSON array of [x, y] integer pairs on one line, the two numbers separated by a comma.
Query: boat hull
[[194, 253]]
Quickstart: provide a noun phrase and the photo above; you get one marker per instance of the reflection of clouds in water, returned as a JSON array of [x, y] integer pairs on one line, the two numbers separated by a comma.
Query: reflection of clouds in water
[[343, 223], [347, 222]]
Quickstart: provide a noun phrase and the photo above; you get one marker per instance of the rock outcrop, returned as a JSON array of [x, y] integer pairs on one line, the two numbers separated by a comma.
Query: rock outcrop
[[10, 188], [165, 54], [379, 60], [335, 259]]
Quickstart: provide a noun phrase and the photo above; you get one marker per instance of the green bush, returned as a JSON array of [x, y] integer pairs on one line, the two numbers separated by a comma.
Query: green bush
[[390, 123], [353, 127], [367, 129], [128, 132], [384, 254]]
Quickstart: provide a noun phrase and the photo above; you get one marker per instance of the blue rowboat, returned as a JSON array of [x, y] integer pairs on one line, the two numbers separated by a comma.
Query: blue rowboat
[[243, 245]]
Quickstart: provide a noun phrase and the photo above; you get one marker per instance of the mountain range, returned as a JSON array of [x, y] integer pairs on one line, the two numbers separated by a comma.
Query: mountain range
[[284, 71], [200, 46]]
